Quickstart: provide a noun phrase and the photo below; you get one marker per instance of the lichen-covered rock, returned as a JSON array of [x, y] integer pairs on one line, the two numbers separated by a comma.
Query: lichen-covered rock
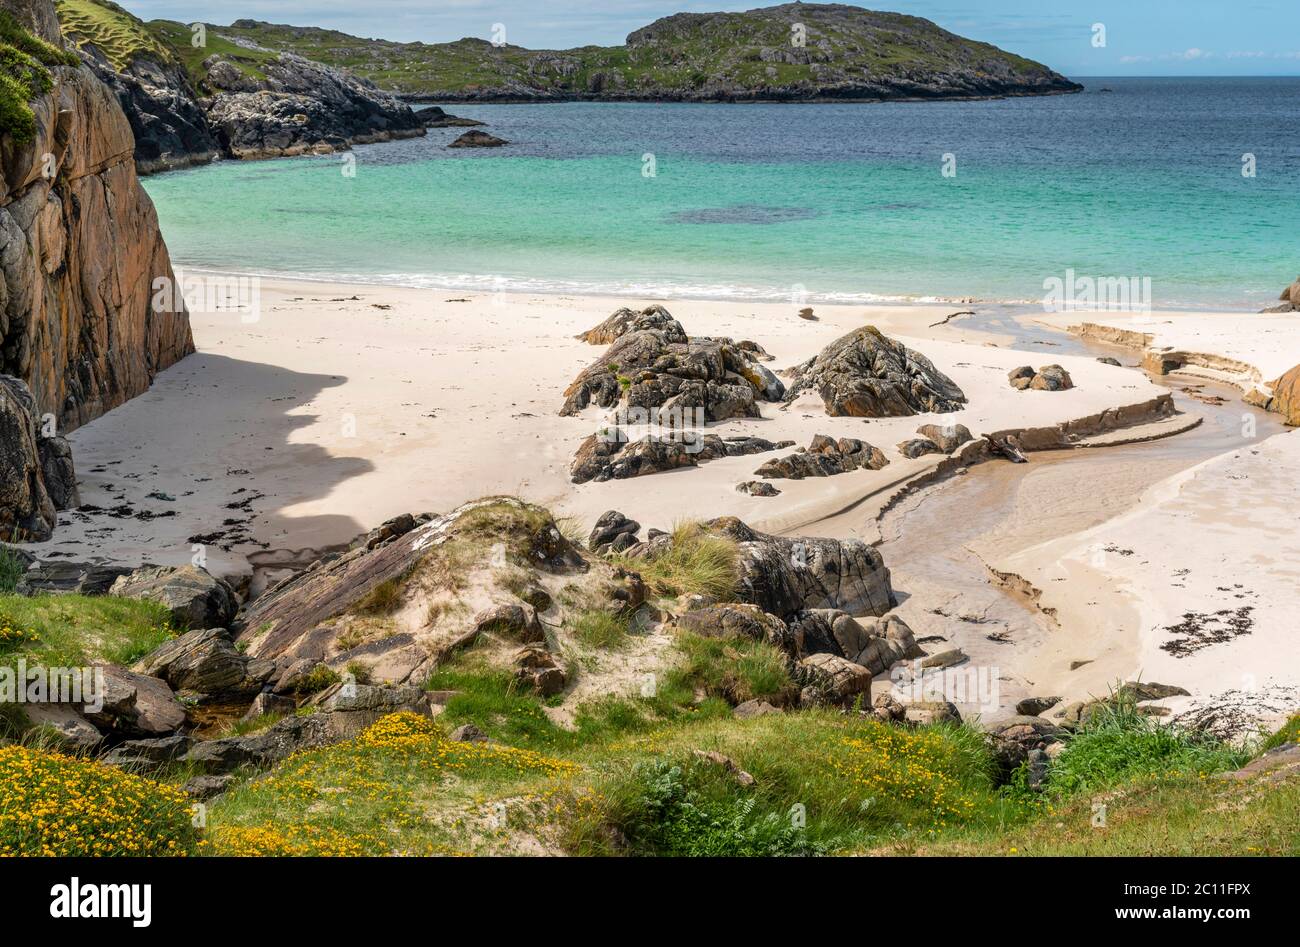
[[736, 620], [196, 598], [784, 576], [609, 456], [866, 374], [609, 532], [758, 488], [627, 320], [1014, 738], [58, 471], [1047, 378], [830, 679], [654, 370], [301, 107], [825, 457], [1051, 378], [875, 643]]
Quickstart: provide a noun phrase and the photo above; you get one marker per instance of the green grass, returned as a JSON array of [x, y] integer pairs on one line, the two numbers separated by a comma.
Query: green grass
[[734, 669], [119, 35], [1118, 743], [823, 782], [1288, 733], [11, 570], [698, 563], [599, 630], [77, 630], [24, 74], [178, 37], [1184, 815]]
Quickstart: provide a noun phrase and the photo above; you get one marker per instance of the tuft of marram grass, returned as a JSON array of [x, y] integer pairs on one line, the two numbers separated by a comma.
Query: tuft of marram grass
[[698, 563]]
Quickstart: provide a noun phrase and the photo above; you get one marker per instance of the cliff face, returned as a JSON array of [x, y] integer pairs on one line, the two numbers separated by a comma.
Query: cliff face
[[79, 251], [188, 104], [301, 106], [170, 127]]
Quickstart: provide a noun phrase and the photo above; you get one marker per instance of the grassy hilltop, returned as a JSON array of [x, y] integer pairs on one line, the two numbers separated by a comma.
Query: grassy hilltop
[[784, 53]]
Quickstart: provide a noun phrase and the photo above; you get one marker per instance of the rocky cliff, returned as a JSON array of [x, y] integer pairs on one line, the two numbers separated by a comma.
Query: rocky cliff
[[79, 249], [193, 96]]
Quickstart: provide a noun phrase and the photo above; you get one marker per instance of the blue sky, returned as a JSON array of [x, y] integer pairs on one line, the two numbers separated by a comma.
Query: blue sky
[[1142, 37]]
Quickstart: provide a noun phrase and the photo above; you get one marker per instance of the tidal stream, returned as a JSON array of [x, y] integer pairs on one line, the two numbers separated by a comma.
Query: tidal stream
[[937, 540]]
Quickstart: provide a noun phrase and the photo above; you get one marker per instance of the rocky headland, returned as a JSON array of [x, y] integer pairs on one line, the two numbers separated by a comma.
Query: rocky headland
[[188, 104], [795, 52]]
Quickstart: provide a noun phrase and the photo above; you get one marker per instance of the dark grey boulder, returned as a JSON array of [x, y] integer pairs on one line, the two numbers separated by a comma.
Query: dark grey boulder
[[866, 374]]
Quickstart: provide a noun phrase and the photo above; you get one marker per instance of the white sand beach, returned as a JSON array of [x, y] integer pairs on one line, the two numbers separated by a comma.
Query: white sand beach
[[345, 405]]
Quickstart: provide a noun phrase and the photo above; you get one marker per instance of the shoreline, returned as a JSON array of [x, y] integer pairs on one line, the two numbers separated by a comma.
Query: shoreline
[[344, 405], [534, 286]]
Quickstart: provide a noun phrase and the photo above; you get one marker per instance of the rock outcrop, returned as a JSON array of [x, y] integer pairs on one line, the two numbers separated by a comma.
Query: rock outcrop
[[874, 643], [478, 139], [300, 107], [866, 374], [1290, 299], [435, 117], [79, 250], [479, 573], [659, 374], [240, 101], [206, 664], [1047, 378], [194, 597], [824, 457], [170, 126], [784, 576], [609, 456], [1286, 397]]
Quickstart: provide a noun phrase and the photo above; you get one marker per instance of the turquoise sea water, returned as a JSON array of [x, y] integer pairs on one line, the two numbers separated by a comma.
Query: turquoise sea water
[[836, 201]]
